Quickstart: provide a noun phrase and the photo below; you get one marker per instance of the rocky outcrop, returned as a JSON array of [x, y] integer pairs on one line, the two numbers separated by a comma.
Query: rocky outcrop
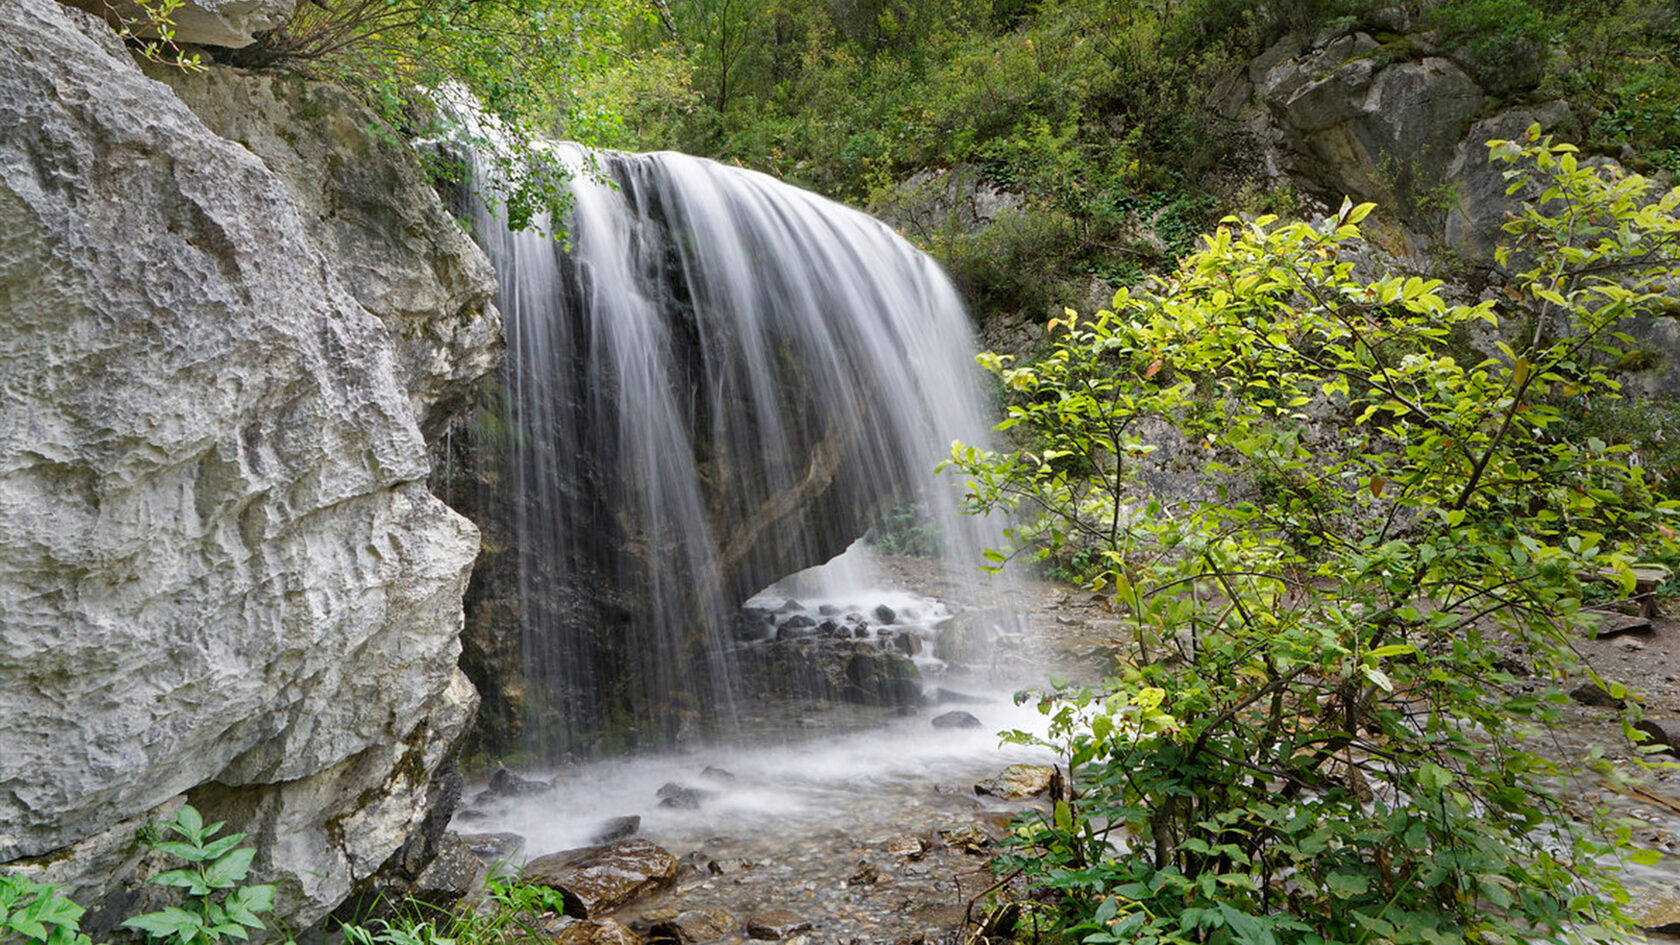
[[1399, 122], [367, 206], [227, 23], [222, 574]]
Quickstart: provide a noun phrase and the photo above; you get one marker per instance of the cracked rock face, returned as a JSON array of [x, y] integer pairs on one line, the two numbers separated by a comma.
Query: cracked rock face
[[221, 574], [1403, 125], [363, 200]]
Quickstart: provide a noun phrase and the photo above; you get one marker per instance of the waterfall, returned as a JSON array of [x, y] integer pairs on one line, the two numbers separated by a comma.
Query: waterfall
[[713, 381]]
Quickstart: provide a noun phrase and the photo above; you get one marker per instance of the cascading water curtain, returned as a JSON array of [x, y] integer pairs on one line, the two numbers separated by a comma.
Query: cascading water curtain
[[716, 380]]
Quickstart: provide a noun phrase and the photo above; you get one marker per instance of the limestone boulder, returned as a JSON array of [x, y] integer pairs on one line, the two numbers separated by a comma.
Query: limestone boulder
[[1475, 222], [1354, 123], [228, 23], [221, 572], [369, 207]]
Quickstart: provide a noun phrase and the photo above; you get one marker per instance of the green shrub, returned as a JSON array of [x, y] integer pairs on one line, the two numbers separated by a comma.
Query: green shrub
[[1312, 735]]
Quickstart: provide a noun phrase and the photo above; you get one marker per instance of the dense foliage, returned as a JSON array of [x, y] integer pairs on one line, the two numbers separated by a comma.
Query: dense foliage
[[1100, 117], [1322, 727]]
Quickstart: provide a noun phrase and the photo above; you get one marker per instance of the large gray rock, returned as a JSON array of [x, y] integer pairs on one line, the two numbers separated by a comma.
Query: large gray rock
[[230, 23], [1401, 124], [1353, 123], [220, 570], [366, 204], [1475, 222]]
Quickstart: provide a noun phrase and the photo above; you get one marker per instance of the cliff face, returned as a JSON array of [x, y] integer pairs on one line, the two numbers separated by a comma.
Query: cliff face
[[222, 577]]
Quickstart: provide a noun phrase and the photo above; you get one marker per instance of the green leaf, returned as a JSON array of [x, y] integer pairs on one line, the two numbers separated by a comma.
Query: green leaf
[[1246, 928], [1434, 777], [257, 898], [173, 921], [187, 851], [220, 846], [1393, 649], [231, 868], [1645, 856], [188, 879], [1347, 885], [189, 819], [1377, 677]]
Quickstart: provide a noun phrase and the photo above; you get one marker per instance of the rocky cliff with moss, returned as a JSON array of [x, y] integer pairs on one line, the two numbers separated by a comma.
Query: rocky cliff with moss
[[231, 312]]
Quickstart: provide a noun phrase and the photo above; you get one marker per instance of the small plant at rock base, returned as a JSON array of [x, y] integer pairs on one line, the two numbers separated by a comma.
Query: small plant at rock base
[[508, 915], [32, 912], [219, 904]]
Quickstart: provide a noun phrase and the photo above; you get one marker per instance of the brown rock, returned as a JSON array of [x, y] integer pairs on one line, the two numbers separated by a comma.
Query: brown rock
[[776, 924], [1656, 735], [595, 932], [1611, 623], [596, 880], [970, 839], [909, 847], [695, 926], [1018, 781]]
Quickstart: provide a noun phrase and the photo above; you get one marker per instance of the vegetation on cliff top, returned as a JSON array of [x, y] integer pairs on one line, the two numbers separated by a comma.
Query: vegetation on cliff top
[[1101, 117]]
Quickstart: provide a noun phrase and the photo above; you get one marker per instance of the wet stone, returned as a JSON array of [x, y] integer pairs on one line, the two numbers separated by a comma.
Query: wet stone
[[494, 847], [970, 839], [1655, 910], [830, 610], [956, 719], [683, 797], [594, 932], [1017, 782], [454, 874], [694, 926], [505, 783], [1611, 623], [776, 924], [866, 875], [911, 848], [727, 866], [885, 614], [714, 773], [966, 639], [791, 606], [798, 622], [882, 679], [1656, 735], [618, 828], [1589, 694], [596, 880]]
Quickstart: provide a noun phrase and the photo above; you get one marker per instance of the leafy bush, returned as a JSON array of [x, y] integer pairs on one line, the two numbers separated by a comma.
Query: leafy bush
[[1315, 734]]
